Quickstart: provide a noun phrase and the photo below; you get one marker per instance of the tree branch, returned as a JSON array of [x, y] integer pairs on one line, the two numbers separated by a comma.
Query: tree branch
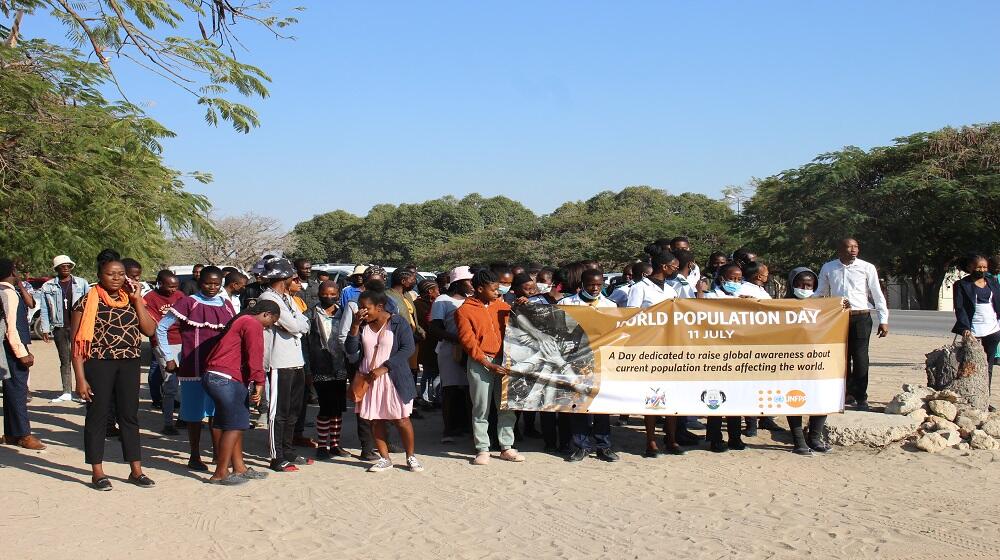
[[98, 49], [15, 29]]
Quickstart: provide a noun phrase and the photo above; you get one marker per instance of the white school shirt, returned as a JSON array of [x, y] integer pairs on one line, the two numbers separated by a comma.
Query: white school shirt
[[646, 294], [753, 290], [858, 282], [620, 295], [694, 276], [718, 293], [575, 299], [684, 287]]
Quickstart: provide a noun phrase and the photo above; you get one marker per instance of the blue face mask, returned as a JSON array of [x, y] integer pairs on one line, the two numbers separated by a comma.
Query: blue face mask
[[504, 288], [731, 288]]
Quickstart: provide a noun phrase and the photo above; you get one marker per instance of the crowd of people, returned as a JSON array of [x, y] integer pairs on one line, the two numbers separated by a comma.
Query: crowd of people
[[388, 348]]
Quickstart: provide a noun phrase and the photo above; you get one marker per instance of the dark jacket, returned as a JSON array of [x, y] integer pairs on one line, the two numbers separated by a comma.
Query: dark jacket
[[324, 364], [399, 358], [965, 302]]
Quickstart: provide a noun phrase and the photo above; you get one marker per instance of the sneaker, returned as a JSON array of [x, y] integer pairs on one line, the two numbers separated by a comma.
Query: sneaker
[[299, 460], [736, 444], [323, 453], [512, 455], [482, 458], [382, 464], [339, 452], [251, 474], [607, 455], [414, 464], [77, 399], [283, 466], [65, 397], [370, 456]]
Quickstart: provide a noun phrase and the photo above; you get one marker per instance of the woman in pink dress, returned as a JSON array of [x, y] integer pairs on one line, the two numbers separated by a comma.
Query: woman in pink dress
[[381, 343]]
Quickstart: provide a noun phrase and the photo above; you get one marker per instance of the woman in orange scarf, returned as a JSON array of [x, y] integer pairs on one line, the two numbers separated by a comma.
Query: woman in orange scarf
[[108, 326]]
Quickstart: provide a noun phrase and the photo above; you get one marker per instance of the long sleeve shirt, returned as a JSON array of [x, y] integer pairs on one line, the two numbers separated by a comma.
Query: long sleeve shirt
[[168, 322], [481, 328], [283, 341], [646, 293], [240, 352], [858, 282]]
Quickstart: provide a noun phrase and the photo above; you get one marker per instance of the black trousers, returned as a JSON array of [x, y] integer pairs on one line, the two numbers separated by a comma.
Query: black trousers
[[858, 336], [112, 382], [591, 431], [287, 386], [714, 427], [990, 344], [456, 410], [300, 420]]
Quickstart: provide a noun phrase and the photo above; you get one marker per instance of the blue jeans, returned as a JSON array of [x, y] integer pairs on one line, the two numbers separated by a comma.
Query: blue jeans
[[232, 401]]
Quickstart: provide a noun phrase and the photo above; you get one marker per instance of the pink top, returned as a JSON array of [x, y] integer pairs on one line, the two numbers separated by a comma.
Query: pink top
[[382, 401]]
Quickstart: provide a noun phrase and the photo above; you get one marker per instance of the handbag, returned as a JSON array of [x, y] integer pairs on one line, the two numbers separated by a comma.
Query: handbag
[[360, 384]]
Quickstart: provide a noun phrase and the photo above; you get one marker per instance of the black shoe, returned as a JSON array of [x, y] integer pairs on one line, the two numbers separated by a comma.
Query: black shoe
[[674, 450], [718, 446], [142, 481], [819, 445], [197, 465], [805, 451], [862, 406], [299, 460], [180, 423], [607, 455], [578, 455], [339, 452], [651, 453], [103, 484], [737, 445], [322, 453], [768, 423], [370, 456], [751, 430], [169, 431], [849, 400], [156, 405]]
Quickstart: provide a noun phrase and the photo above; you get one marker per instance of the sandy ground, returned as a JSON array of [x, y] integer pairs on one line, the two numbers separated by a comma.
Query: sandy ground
[[764, 502]]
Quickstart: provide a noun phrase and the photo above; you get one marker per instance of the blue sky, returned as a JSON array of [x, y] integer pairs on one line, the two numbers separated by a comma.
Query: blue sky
[[551, 101]]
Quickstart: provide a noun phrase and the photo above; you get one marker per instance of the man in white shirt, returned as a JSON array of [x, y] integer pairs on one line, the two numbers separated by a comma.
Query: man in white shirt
[[654, 288], [639, 271], [681, 282], [679, 244], [856, 280]]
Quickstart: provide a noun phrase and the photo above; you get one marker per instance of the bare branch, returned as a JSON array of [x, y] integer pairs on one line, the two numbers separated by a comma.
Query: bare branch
[[98, 48]]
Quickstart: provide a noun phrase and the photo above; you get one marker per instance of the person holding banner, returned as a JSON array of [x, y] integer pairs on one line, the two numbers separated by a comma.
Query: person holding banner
[[651, 290], [755, 275], [728, 284], [802, 283], [849, 277], [977, 308], [591, 432], [481, 322]]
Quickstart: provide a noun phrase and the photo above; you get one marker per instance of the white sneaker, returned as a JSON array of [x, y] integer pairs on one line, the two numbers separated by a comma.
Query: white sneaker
[[63, 398], [414, 464], [77, 399], [382, 464]]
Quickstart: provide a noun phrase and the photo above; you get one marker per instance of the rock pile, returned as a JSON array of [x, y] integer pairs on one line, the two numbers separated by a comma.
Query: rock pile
[[949, 420], [961, 367]]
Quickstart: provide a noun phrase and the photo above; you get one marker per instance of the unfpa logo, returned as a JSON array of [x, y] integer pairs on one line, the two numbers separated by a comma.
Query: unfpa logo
[[774, 398]]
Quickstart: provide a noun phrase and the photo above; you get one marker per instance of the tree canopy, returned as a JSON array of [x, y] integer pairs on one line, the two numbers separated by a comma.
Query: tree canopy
[[914, 206], [610, 227]]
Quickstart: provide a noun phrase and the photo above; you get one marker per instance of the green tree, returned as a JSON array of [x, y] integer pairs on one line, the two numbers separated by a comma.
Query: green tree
[[202, 62], [914, 206], [78, 173]]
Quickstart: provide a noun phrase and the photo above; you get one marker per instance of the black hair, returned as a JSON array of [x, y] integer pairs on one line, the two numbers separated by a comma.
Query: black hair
[[679, 239], [227, 270], [107, 256], [572, 277], [375, 286], [740, 256], [662, 258], [397, 277], [546, 270], [652, 249], [750, 270], [377, 297], [639, 268], [265, 306], [969, 261], [210, 270], [300, 261], [327, 284], [518, 269], [131, 263], [322, 273], [520, 280], [591, 273], [720, 276], [425, 286], [410, 267], [715, 255], [164, 274], [484, 278], [6, 268], [684, 257], [499, 268], [235, 276], [198, 265]]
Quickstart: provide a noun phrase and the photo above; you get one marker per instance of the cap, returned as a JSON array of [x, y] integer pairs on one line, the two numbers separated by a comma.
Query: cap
[[459, 273], [278, 269], [61, 260], [359, 269]]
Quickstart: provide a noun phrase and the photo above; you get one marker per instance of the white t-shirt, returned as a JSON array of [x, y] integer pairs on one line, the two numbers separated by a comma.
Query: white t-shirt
[[683, 286], [444, 308], [620, 295], [753, 290]]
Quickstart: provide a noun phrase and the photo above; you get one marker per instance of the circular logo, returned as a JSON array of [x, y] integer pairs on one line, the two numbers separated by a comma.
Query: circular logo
[[795, 398]]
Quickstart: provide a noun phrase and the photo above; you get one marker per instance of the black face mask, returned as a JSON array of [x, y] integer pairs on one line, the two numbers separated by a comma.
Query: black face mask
[[977, 274], [327, 301]]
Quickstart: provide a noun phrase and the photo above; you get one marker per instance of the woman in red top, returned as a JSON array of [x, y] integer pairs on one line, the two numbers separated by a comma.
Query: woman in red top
[[234, 369]]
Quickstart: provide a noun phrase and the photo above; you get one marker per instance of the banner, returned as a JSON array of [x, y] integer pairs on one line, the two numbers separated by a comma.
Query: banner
[[697, 357]]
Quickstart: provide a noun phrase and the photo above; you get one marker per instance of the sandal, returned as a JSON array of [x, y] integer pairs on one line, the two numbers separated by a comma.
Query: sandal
[[103, 484]]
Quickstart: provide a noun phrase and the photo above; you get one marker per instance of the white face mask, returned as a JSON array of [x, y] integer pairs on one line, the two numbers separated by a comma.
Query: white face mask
[[543, 288], [802, 293]]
